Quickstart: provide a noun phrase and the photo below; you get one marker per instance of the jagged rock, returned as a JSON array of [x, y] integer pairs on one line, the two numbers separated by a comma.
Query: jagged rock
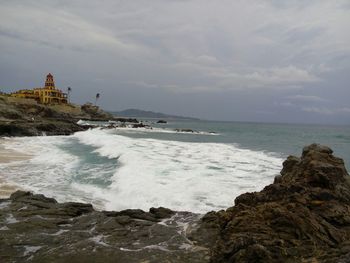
[[140, 125], [185, 130], [123, 120], [24, 117], [40, 127], [35, 228], [304, 216], [95, 113]]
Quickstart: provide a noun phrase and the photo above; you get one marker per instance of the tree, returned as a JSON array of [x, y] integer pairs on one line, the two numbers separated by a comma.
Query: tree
[[69, 89], [97, 97]]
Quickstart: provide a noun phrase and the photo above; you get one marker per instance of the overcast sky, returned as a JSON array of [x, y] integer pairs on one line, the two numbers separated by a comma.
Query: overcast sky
[[238, 60]]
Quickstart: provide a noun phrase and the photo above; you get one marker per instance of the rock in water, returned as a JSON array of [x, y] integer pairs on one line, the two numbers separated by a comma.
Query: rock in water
[[304, 216]]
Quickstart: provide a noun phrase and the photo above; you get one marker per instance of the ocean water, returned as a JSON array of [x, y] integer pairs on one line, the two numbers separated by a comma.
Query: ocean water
[[122, 168]]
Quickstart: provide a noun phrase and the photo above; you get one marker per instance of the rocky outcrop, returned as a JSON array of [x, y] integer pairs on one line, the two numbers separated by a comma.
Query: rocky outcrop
[[304, 216], [25, 117], [34, 228], [40, 127], [95, 113]]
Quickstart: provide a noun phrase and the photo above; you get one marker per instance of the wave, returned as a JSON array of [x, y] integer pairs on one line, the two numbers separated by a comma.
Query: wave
[[115, 172], [130, 129]]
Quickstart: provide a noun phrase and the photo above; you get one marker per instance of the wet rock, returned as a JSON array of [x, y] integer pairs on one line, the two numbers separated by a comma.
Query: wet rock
[[162, 121], [124, 120], [35, 228], [140, 125], [185, 130], [23, 117], [40, 127], [304, 216], [161, 212]]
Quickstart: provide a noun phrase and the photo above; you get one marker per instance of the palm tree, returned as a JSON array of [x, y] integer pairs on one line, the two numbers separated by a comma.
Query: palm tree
[[69, 89], [97, 97]]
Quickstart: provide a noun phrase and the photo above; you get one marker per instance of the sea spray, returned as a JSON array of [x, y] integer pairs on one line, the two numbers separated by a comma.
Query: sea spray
[[116, 172]]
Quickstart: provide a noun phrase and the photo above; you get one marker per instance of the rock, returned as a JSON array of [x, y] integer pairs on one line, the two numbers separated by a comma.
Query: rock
[[123, 120], [304, 216], [162, 121], [185, 130], [140, 125], [36, 228], [40, 127], [161, 212], [24, 117], [95, 113]]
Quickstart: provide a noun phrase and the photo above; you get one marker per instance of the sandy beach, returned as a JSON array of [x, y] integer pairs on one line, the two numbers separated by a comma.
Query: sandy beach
[[7, 156]]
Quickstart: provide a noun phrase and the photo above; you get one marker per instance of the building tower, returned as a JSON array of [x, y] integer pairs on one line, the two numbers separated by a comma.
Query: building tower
[[49, 83]]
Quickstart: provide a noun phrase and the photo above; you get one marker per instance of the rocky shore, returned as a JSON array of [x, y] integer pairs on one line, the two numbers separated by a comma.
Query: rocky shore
[[25, 117], [304, 216]]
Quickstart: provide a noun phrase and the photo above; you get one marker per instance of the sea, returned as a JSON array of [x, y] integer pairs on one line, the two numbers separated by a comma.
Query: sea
[[199, 171]]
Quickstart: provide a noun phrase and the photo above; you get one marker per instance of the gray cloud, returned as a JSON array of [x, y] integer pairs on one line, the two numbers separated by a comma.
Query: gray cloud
[[306, 98], [251, 53], [328, 111]]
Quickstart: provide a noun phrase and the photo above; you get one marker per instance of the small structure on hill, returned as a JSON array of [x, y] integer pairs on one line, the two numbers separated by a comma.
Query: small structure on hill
[[46, 95]]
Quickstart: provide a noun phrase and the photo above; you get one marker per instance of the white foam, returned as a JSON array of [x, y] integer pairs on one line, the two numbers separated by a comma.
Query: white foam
[[30, 250], [23, 208], [10, 219], [129, 129], [157, 247], [182, 176], [58, 233], [98, 240], [196, 177], [5, 204], [49, 171]]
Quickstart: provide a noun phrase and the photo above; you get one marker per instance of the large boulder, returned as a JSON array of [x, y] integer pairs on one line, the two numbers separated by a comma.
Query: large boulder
[[304, 216]]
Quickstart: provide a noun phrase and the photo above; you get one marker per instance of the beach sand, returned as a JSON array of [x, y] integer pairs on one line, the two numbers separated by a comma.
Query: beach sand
[[7, 156]]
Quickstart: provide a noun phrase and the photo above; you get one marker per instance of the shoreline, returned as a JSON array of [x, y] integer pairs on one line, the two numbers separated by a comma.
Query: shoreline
[[8, 156], [291, 220]]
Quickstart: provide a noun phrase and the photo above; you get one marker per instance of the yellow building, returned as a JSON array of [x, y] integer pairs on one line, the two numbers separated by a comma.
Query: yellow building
[[46, 95]]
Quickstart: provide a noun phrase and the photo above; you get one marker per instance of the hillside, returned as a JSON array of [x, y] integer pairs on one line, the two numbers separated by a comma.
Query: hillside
[[25, 117], [148, 114]]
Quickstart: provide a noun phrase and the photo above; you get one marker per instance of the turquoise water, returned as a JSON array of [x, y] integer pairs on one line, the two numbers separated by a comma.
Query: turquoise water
[[284, 139]]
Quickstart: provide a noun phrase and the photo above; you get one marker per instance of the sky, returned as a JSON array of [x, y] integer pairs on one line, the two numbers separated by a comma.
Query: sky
[[233, 60]]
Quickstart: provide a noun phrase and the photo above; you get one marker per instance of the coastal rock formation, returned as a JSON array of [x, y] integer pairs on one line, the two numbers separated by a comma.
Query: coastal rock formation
[[25, 117], [40, 127], [34, 228], [304, 216], [94, 112]]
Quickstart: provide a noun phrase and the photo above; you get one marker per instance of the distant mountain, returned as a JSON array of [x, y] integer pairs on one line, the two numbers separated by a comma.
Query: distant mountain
[[148, 114]]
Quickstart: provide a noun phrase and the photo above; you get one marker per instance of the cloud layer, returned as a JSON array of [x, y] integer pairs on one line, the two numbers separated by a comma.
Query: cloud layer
[[261, 54]]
